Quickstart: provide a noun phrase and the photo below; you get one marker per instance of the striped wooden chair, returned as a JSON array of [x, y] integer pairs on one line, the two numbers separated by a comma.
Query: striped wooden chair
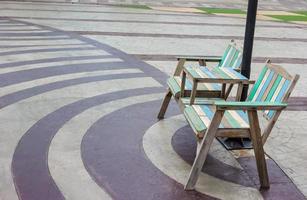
[[239, 119], [232, 57]]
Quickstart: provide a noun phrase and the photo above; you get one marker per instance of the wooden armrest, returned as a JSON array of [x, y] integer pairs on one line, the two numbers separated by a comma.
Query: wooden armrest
[[251, 82], [249, 105], [197, 58]]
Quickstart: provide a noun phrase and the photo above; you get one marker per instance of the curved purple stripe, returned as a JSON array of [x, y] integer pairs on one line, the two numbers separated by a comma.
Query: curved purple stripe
[[184, 143], [46, 50], [113, 154], [27, 93], [32, 74], [29, 166], [146, 68]]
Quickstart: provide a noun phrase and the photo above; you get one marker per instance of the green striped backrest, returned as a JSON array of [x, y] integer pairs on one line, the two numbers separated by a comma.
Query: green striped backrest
[[274, 84], [232, 57]]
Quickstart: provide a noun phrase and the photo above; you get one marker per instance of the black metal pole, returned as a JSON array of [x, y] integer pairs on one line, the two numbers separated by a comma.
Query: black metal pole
[[248, 42], [239, 143]]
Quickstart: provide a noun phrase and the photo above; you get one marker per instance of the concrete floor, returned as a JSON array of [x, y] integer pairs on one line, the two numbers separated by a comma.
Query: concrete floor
[[78, 107]]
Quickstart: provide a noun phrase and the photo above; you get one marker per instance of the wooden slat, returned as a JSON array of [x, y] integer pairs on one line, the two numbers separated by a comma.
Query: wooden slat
[[257, 84], [224, 55], [220, 73], [277, 91], [238, 61], [228, 57], [269, 88], [194, 120], [262, 88], [234, 58], [203, 116], [274, 88], [280, 96], [235, 114]]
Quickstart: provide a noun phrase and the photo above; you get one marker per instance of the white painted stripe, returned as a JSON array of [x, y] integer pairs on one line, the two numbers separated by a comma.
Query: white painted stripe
[[39, 42], [57, 63], [62, 52], [19, 27], [29, 38], [158, 148], [65, 151], [44, 47], [17, 118], [42, 81], [29, 31], [43, 55]]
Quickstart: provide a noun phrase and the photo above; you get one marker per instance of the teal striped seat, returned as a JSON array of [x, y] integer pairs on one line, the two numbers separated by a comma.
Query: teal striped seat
[[175, 82], [272, 85], [232, 58], [200, 116]]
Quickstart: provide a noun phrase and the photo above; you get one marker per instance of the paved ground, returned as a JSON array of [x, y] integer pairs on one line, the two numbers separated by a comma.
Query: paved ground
[[242, 4], [78, 107]]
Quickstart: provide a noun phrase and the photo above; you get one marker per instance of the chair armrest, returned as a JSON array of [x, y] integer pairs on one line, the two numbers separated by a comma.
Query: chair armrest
[[249, 105], [251, 82], [197, 58]]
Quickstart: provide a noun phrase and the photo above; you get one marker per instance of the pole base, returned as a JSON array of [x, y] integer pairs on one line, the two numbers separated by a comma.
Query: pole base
[[235, 143]]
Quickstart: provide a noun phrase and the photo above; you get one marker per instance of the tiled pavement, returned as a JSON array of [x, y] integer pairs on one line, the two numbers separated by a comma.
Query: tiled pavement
[[241, 4], [78, 109]]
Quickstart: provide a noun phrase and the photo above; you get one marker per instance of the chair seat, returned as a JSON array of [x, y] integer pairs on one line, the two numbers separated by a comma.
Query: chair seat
[[200, 116], [175, 82]]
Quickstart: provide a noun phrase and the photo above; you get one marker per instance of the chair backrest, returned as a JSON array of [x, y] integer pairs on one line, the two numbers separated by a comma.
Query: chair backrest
[[232, 56], [274, 84]]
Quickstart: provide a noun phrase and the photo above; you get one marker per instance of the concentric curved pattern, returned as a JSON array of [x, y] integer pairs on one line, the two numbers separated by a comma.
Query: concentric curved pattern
[[123, 169], [158, 148], [47, 71], [65, 151], [73, 114]]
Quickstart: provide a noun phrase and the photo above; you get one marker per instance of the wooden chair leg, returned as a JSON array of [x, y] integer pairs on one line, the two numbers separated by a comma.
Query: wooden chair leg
[[258, 148], [228, 90], [179, 67], [203, 150], [239, 92], [202, 62], [164, 105]]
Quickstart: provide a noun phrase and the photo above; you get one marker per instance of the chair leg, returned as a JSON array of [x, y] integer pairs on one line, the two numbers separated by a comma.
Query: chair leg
[[165, 103], [258, 148], [203, 150]]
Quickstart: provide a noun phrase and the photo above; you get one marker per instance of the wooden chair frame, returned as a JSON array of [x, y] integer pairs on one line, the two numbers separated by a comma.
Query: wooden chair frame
[[253, 131], [225, 91]]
